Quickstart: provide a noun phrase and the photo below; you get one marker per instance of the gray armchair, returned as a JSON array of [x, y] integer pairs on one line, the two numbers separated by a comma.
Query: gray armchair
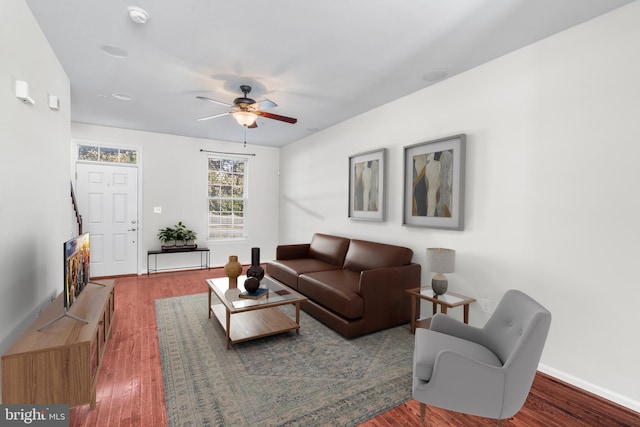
[[486, 371]]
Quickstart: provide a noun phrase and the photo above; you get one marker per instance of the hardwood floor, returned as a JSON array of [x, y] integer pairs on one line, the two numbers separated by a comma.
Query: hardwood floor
[[130, 389]]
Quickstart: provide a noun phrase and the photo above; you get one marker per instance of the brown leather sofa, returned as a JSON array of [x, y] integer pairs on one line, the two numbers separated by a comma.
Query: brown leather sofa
[[354, 286]]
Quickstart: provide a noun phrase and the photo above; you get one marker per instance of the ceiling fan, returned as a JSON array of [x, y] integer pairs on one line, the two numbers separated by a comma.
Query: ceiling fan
[[246, 110]]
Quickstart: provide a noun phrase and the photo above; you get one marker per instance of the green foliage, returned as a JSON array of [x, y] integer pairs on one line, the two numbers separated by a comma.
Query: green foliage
[[179, 232]]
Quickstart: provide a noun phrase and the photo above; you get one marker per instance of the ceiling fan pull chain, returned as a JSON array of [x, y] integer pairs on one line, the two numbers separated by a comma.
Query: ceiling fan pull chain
[[245, 136]]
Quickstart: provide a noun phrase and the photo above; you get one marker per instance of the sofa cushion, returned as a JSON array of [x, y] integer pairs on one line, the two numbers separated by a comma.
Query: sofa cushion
[[336, 290], [428, 344], [288, 270], [330, 249], [364, 255]]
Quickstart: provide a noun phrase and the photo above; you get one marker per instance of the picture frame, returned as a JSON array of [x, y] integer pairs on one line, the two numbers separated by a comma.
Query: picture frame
[[440, 162], [367, 176]]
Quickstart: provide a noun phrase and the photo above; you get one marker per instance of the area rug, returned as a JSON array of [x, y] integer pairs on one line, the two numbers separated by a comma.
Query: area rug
[[315, 378]]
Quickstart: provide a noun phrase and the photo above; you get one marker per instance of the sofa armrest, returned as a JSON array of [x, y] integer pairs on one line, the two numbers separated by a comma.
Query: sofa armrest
[[450, 326], [389, 279], [383, 292], [293, 251]]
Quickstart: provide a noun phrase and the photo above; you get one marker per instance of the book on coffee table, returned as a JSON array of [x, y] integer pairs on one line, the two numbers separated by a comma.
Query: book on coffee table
[[255, 295]]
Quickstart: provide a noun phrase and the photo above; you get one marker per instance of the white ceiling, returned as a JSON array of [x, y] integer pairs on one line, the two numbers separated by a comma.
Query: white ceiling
[[322, 62]]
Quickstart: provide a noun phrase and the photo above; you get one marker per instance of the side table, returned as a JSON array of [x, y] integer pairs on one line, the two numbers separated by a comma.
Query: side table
[[204, 259], [448, 300]]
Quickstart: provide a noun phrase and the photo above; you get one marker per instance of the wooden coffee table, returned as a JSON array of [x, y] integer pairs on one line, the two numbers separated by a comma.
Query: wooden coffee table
[[246, 319]]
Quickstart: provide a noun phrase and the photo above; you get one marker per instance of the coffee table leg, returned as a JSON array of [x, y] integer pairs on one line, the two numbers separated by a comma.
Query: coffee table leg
[[298, 317], [209, 306], [228, 328], [413, 314], [466, 313]]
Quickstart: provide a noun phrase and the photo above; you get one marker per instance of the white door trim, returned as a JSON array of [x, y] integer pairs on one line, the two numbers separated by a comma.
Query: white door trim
[[141, 255]]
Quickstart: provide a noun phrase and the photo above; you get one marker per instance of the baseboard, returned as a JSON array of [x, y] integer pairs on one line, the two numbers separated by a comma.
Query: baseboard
[[591, 388]]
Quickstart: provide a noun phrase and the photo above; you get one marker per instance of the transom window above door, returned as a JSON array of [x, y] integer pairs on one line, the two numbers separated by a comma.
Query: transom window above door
[[97, 153]]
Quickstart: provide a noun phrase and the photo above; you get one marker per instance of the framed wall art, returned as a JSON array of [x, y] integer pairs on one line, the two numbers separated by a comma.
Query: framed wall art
[[434, 183], [367, 173]]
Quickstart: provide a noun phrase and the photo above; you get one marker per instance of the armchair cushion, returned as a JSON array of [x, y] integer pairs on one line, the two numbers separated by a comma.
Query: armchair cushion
[[430, 344]]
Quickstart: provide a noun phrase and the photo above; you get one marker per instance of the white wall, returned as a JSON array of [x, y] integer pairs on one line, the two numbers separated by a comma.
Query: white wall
[[35, 207], [174, 177], [551, 204]]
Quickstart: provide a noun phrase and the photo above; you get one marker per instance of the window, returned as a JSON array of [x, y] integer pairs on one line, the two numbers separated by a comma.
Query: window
[[96, 153], [227, 197]]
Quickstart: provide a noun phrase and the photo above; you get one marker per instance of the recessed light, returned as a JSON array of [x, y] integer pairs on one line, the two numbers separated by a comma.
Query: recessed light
[[138, 15], [122, 96], [113, 51], [434, 75]]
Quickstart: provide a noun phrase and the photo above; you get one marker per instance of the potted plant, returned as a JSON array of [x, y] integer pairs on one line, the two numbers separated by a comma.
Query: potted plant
[[167, 237], [190, 237], [180, 233], [178, 236]]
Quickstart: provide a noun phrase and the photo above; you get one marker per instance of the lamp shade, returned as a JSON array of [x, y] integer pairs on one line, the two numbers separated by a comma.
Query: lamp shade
[[245, 118], [441, 260]]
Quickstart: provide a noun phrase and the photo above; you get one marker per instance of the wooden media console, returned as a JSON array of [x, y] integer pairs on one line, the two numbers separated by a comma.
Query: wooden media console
[[59, 364]]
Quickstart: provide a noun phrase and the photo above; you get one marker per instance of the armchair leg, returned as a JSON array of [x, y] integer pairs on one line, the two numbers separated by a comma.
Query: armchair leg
[[423, 410]]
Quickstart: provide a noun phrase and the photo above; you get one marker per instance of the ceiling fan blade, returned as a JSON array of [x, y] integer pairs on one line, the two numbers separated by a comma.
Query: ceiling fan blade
[[215, 116], [265, 103], [277, 117], [204, 98]]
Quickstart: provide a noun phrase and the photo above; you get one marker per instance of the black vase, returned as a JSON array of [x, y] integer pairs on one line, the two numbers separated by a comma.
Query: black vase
[[251, 284], [255, 270]]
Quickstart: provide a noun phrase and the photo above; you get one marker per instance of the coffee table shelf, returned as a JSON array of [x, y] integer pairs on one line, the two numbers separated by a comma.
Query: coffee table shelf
[[250, 325]]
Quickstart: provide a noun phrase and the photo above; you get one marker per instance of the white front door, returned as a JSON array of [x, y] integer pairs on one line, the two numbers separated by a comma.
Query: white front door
[[108, 202]]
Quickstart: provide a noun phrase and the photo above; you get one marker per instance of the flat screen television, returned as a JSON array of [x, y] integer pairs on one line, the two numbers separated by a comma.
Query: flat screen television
[[77, 261]]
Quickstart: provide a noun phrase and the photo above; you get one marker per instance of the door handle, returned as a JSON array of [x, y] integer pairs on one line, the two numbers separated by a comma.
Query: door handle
[[132, 229]]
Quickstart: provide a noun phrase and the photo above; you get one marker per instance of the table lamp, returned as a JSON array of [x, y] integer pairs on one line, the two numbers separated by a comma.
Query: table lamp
[[440, 261]]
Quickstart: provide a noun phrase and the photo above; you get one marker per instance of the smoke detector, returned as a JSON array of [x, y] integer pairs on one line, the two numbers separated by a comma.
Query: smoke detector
[[138, 15]]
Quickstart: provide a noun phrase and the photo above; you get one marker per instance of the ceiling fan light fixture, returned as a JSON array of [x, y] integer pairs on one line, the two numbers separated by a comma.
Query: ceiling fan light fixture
[[245, 118]]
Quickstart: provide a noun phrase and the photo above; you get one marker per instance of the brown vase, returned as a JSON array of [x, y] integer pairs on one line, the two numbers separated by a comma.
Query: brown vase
[[232, 270]]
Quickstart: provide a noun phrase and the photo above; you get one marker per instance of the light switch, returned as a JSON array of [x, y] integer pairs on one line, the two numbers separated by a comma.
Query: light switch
[[54, 102], [157, 209]]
